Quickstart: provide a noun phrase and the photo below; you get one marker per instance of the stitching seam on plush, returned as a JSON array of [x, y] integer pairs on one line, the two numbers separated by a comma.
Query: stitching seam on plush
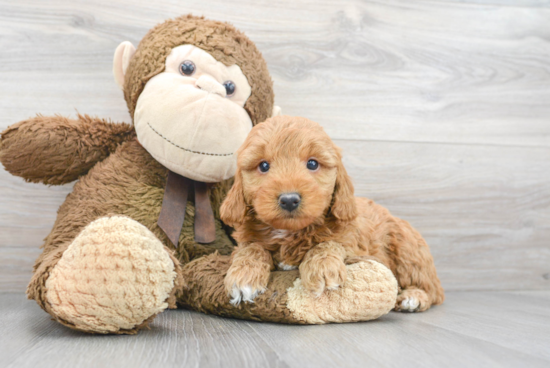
[[186, 149]]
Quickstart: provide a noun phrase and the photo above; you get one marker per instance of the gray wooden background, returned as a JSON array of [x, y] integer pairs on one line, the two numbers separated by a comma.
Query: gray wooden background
[[442, 108]]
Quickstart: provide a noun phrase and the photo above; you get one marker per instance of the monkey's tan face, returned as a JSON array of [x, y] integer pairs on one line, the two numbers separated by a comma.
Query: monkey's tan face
[[191, 117]]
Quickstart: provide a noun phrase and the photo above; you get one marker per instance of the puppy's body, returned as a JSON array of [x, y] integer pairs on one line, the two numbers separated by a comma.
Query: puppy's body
[[328, 229]]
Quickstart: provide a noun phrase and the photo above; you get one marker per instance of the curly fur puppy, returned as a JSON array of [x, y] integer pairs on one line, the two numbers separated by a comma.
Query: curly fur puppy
[[292, 205]]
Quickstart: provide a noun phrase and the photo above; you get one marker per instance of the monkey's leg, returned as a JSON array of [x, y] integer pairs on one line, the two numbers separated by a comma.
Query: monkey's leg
[[57, 150], [368, 293], [114, 277]]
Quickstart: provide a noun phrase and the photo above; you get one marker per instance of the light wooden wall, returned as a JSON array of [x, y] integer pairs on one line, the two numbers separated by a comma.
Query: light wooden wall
[[442, 109]]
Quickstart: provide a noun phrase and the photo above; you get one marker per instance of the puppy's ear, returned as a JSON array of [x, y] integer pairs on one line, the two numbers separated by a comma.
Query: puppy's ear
[[233, 208], [343, 200]]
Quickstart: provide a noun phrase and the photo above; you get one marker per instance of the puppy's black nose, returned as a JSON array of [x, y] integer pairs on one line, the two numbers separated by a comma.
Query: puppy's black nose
[[289, 201]]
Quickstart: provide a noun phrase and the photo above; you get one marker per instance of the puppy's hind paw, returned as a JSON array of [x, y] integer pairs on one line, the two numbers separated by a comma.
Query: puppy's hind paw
[[410, 304], [412, 300], [243, 294]]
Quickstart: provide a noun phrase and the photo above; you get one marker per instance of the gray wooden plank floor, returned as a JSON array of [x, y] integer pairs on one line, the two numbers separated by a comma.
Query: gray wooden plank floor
[[471, 329]]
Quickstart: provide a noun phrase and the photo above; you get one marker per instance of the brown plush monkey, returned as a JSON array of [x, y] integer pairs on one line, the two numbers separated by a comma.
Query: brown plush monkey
[[125, 244]]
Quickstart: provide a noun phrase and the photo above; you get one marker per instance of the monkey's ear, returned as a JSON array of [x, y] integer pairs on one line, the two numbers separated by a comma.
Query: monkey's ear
[[233, 208], [123, 54], [276, 111]]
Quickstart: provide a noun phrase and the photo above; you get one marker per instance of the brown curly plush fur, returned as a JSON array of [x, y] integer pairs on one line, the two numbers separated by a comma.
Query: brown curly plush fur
[[85, 141], [329, 227]]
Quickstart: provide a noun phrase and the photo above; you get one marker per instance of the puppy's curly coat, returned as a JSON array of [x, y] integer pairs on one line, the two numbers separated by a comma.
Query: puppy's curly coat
[[292, 205]]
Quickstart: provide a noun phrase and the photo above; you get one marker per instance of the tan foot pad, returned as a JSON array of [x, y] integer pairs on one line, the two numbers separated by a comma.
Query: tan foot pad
[[114, 276], [368, 293]]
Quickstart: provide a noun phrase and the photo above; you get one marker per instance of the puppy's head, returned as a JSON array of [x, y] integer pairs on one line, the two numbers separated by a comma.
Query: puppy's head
[[291, 174]]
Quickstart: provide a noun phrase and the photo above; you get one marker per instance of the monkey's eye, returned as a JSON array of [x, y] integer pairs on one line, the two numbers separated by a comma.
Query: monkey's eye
[[263, 166], [187, 68], [312, 165], [230, 88]]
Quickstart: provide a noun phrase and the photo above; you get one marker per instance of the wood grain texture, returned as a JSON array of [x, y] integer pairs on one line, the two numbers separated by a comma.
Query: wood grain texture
[[472, 329], [441, 108]]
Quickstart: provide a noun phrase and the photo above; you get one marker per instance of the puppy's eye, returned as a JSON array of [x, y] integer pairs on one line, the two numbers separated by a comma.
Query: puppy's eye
[[187, 68], [263, 166], [230, 88], [312, 165]]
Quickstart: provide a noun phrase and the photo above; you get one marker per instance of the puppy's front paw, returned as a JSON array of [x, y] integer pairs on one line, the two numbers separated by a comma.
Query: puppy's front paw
[[245, 293], [320, 274], [245, 283]]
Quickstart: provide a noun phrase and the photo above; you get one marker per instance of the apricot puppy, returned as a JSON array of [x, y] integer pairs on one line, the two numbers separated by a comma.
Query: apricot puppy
[[292, 206]]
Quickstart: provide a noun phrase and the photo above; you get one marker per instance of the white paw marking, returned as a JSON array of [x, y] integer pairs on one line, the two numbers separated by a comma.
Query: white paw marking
[[244, 294], [410, 304], [283, 266], [279, 234]]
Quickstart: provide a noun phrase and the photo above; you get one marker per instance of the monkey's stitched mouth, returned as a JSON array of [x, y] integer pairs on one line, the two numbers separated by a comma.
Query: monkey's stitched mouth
[[187, 149]]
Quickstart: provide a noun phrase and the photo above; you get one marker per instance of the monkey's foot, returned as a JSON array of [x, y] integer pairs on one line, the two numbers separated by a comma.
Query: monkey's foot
[[369, 292], [113, 278]]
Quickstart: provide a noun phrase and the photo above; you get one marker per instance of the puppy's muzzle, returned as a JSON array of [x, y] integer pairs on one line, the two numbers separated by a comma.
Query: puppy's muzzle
[[289, 201]]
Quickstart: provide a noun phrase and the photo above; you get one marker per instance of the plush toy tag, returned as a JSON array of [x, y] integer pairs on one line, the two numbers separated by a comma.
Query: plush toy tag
[[174, 203]]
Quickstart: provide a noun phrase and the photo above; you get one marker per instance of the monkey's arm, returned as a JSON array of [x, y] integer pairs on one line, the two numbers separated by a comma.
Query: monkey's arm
[[56, 150]]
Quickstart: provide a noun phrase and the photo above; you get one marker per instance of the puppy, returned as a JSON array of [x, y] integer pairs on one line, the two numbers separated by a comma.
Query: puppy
[[292, 206]]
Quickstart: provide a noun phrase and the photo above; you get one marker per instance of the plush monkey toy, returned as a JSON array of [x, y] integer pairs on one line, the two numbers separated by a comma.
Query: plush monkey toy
[[140, 231]]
